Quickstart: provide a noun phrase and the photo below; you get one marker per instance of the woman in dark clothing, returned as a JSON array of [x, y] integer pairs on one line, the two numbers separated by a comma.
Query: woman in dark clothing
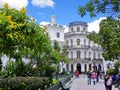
[[108, 82]]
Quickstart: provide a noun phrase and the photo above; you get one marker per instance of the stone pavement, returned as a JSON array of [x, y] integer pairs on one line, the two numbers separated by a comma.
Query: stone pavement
[[81, 84]]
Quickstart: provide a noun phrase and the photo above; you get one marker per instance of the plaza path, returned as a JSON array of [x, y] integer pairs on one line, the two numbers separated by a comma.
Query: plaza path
[[81, 84]]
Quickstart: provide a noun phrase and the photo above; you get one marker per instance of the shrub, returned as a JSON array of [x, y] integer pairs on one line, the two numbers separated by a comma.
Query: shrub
[[54, 81], [24, 83], [112, 71]]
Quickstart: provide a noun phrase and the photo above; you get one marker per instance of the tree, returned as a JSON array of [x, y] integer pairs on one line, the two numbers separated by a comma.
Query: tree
[[110, 7], [21, 36], [109, 38], [109, 35], [117, 65]]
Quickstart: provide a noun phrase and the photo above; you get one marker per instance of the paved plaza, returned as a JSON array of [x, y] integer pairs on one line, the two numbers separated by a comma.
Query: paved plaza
[[81, 84]]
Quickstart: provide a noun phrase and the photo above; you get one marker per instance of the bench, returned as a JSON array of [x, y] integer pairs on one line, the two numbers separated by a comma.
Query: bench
[[63, 86]]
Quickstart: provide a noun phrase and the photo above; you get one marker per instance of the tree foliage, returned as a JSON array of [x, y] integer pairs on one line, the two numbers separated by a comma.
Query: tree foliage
[[109, 38], [21, 37], [109, 35], [117, 65], [110, 7]]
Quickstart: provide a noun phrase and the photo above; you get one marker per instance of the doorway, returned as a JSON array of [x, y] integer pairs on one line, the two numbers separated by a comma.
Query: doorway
[[79, 67]]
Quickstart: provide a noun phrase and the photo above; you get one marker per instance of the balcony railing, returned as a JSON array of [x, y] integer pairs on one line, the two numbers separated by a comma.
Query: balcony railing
[[79, 47], [96, 48], [97, 59]]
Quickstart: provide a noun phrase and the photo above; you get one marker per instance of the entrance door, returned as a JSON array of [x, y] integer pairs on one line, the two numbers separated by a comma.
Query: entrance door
[[79, 67]]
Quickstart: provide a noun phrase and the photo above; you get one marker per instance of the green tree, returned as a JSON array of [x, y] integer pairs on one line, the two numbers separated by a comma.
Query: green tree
[[64, 54], [110, 7], [109, 38], [109, 34], [117, 65], [21, 36]]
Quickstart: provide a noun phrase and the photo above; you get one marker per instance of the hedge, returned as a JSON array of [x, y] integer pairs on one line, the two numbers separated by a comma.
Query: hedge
[[24, 83]]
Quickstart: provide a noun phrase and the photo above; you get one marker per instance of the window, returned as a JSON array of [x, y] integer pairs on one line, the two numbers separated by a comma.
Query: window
[[94, 55], [71, 54], [78, 41], [71, 29], [67, 42], [98, 55], [89, 54], [84, 28], [84, 54], [85, 42], [78, 55], [71, 42], [89, 42], [78, 29], [58, 34]]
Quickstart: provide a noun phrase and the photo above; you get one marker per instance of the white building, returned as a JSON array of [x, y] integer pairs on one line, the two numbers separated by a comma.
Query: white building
[[55, 31], [83, 53]]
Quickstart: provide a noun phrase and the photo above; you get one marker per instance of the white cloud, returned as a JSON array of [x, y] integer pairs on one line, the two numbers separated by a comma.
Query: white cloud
[[94, 26], [43, 3], [15, 3], [43, 23]]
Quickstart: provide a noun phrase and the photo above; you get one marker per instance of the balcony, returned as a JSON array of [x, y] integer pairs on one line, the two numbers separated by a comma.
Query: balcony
[[79, 47], [96, 48], [87, 58], [97, 59]]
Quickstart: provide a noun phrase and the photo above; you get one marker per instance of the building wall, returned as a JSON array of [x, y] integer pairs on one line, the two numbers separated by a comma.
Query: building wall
[[90, 52], [77, 30]]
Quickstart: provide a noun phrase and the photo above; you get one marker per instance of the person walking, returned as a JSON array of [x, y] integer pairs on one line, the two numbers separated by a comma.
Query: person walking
[[116, 83], [77, 73], [98, 73], [94, 76], [108, 82], [89, 77]]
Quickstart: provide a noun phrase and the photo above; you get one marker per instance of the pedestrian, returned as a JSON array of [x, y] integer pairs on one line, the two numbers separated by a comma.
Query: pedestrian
[[117, 81], [94, 76], [77, 73], [108, 81], [89, 77], [98, 73]]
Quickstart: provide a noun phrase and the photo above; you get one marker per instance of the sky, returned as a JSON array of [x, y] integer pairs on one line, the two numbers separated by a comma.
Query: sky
[[66, 11]]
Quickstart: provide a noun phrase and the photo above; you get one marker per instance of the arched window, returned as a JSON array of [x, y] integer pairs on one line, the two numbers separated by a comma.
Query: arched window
[[89, 54], [85, 42], [72, 54], [78, 41], [94, 55], [71, 42], [71, 29], [98, 55], [84, 54], [78, 55], [78, 29], [89, 43]]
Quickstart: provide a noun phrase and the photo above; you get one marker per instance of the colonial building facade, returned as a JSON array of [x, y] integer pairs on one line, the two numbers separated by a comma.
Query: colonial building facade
[[55, 31], [83, 53]]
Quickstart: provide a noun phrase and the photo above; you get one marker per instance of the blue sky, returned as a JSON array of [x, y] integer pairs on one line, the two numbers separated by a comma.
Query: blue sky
[[65, 11]]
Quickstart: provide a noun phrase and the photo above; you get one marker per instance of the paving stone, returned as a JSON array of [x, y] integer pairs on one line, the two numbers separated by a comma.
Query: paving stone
[[81, 84]]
